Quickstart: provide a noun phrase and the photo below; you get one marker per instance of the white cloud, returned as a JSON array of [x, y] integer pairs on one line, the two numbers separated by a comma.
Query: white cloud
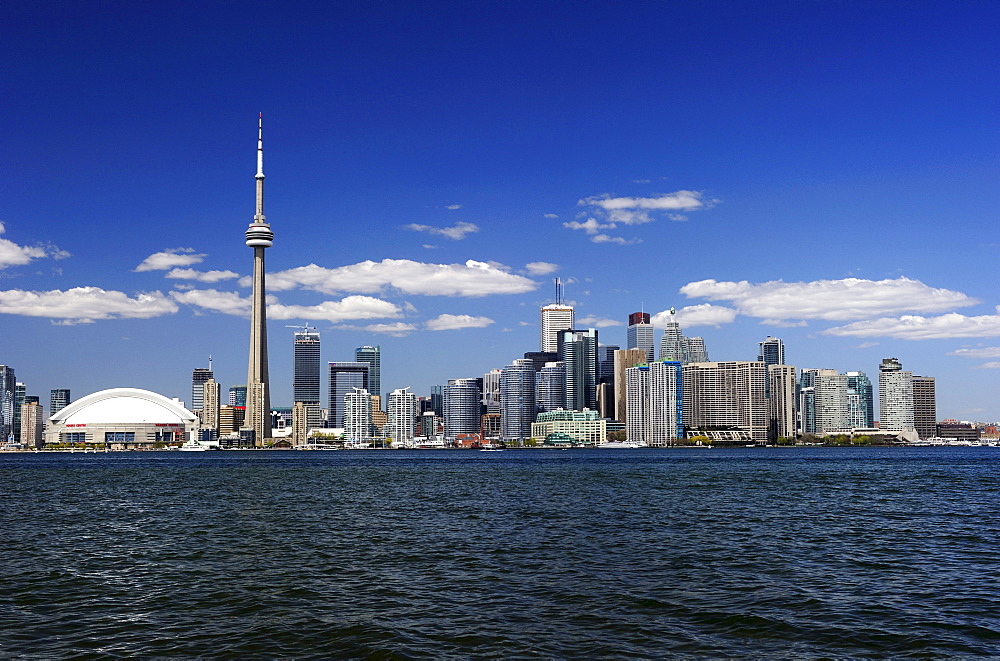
[[351, 307], [704, 314], [590, 226], [453, 207], [397, 329], [992, 365], [541, 268], [682, 200], [85, 304], [551, 215], [593, 321], [833, 300], [201, 276], [782, 323], [916, 327], [170, 258], [983, 352], [604, 238], [456, 322], [470, 279], [455, 232], [12, 254]]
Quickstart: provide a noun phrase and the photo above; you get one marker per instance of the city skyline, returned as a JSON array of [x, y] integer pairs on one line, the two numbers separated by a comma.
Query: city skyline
[[786, 170]]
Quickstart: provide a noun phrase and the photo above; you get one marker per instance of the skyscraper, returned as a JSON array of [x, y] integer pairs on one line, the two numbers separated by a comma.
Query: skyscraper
[[771, 351], [578, 352], [728, 396], [924, 406], [20, 390], [237, 396], [259, 237], [666, 409], [210, 405], [32, 425], [58, 400], [491, 391], [198, 379], [373, 356], [402, 410], [357, 408], [553, 319], [673, 345], [833, 411], [550, 387], [641, 335], [345, 378], [895, 395], [697, 353], [624, 360], [306, 363], [637, 402], [861, 400], [461, 407], [8, 385], [781, 401], [517, 400]]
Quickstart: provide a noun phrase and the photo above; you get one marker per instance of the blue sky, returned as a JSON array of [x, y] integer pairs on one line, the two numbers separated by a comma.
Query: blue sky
[[823, 172]]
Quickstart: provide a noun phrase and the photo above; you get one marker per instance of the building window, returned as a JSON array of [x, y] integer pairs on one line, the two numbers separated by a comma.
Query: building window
[[119, 437], [74, 437]]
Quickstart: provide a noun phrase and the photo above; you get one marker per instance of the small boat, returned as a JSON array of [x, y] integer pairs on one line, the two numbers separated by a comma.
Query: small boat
[[612, 445]]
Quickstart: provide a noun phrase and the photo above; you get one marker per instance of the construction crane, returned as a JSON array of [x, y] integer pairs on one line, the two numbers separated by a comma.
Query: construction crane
[[305, 328]]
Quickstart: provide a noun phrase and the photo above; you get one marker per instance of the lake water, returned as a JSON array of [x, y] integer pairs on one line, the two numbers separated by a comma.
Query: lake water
[[798, 552]]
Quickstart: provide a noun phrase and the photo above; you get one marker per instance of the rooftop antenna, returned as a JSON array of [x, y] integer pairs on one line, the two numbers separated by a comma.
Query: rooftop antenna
[[559, 292], [209, 362]]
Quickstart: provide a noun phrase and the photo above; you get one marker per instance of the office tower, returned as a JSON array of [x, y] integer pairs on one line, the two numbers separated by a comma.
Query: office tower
[[832, 405], [437, 400], [665, 408], [19, 392], [673, 345], [623, 360], [550, 387], [210, 405], [373, 356], [8, 387], [379, 417], [238, 396], [861, 400], [540, 358], [771, 351], [517, 401], [198, 379], [555, 318], [606, 362], [578, 352], [402, 413], [357, 407], [895, 395], [696, 351], [461, 407], [32, 425], [781, 401], [924, 406], [58, 400], [726, 396], [428, 424], [259, 237], [491, 390], [231, 419], [302, 413], [306, 365], [637, 402], [641, 335], [345, 378]]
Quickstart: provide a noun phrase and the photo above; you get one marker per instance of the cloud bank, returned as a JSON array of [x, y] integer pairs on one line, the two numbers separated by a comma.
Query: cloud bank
[[85, 304], [456, 232], [11, 254], [170, 258]]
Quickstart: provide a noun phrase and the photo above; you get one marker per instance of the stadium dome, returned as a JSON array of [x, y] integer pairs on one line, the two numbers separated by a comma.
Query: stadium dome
[[122, 418]]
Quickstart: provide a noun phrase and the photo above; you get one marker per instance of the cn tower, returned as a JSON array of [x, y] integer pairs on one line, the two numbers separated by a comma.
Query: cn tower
[[259, 236]]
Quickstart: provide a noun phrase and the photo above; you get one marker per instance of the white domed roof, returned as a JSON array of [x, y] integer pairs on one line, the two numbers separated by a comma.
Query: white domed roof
[[124, 406]]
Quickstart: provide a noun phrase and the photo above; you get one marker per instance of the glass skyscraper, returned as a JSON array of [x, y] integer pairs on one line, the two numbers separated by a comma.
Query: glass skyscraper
[[8, 384], [198, 379], [306, 359], [640, 334], [373, 356], [58, 400], [345, 378], [517, 400]]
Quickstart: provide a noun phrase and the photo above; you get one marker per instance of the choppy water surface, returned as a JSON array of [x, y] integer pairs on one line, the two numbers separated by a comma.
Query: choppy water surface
[[776, 552]]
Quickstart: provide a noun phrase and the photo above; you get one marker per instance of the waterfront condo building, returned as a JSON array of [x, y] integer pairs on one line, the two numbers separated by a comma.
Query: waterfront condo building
[[373, 356], [345, 378], [517, 401], [924, 406], [461, 408], [771, 351], [357, 416], [402, 416], [655, 414], [578, 352], [781, 401], [550, 387], [895, 394], [32, 426], [726, 396]]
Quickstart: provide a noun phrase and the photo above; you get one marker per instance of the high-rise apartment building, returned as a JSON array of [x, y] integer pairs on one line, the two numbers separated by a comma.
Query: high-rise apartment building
[[578, 352], [781, 401], [306, 365], [637, 402], [771, 351], [373, 356], [517, 401], [357, 416], [198, 379], [924, 406], [402, 416], [461, 407], [20, 390], [726, 396], [550, 387], [345, 378], [238, 396], [895, 394], [666, 408], [554, 319], [861, 399], [641, 335], [8, 386], [623, 360], [210, 405], [832, 404], [32, 425], [58, 400], [491, 391], [437, 400]]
